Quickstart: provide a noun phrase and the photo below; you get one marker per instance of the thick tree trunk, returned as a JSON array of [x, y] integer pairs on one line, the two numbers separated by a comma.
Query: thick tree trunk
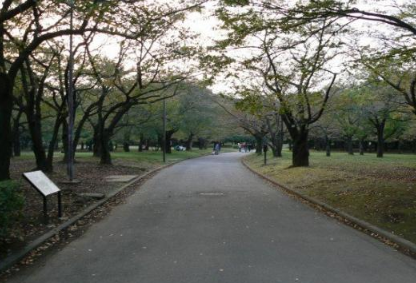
[[300, 155], [169, 135], [126, 147], [350, 148], [126, 141], [104, 149], [35, 129], [380, 143], [279, 150], [96, 147], [6, 108], [275, 146], [259, 145], [202, 143], [275, 151], [189, 142], [380, 138]]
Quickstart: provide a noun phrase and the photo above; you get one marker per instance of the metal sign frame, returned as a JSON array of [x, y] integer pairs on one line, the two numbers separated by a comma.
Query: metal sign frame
[[45, 200]]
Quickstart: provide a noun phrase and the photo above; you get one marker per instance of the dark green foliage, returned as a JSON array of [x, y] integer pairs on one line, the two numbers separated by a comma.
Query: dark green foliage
[[11, 205], [236, 2]]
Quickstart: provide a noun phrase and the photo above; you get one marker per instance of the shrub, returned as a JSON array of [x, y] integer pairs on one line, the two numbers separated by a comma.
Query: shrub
[[11, 205]]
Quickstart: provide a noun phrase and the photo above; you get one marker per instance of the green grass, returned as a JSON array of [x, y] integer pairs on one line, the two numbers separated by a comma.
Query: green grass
[[146, 157], [381, 191]]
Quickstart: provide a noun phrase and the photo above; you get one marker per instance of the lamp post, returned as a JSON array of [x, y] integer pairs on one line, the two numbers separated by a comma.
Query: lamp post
[[70, 99], [164, 131]]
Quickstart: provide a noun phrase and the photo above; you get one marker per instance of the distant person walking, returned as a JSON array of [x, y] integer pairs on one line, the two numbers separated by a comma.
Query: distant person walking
[[217, 148], [239, 147]]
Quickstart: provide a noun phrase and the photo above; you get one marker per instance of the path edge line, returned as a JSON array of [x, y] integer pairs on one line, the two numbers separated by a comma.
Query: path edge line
[[375, 232]]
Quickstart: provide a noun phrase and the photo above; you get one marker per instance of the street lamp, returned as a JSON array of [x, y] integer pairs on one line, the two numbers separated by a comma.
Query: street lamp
[[70, 99], [164, 130]]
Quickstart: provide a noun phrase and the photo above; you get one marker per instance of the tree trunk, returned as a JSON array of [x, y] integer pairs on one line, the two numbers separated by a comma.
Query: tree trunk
[[281, 139], [327, 146], [126, 147], [275, 151], [35, 129], [53, 142], [279, 150], [350, 147], [380, 142], [169, 135], [160, 141], [77, 133], [202, 144], [189, 142], [141, 143], [361, 147], [126, 140], [17, 149], [380, 137], [6, 108], [146, 147], [16, 135], [300, 155], [259, 146], [104, 148], [96, 147]]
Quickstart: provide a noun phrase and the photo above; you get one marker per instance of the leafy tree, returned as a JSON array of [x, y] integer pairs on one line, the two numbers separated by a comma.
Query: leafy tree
[[291, 65], [29, 17]]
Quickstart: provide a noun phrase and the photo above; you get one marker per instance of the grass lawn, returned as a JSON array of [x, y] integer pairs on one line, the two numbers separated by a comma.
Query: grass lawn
[[381, 191], [145, 158]]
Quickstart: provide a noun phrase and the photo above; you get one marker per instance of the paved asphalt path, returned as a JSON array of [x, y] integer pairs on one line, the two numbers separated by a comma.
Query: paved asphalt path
[[211, 220]]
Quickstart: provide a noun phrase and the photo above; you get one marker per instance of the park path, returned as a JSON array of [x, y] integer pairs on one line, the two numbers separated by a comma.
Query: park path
[[211, 220]]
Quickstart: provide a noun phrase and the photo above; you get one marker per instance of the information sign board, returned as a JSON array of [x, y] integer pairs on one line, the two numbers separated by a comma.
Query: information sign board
[[45, 187], [41, 182]]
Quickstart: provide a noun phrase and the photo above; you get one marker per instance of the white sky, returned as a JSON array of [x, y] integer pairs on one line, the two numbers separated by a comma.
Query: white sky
[[206, 25]]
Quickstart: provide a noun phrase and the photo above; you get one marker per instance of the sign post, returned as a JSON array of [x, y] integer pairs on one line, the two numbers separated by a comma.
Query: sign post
[[45, 187]]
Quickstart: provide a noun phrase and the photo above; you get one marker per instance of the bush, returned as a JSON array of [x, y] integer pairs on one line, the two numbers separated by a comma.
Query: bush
[[11, 205]]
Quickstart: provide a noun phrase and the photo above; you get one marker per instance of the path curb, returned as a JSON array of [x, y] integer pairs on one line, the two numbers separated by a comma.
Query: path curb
[[384, 236], [19, 255]]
